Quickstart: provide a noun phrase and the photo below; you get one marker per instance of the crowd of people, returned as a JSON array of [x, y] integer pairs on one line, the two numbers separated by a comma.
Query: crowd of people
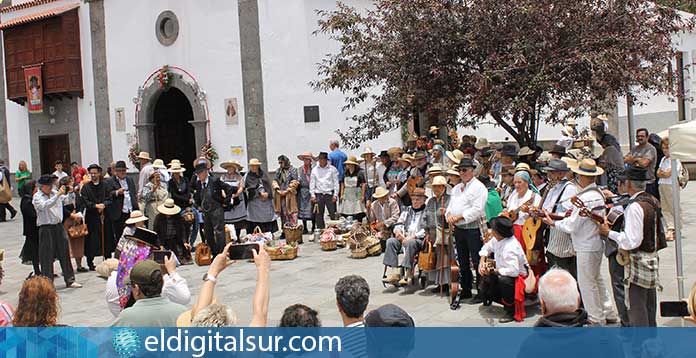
[[500, 221]]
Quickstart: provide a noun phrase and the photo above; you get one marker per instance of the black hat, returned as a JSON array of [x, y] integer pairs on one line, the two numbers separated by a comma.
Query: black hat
[[556, 165], [486, 152], [120, 165], [145, 236], [486, 180], [466, 162], [46, 179], [632, 172], [389, 315], [509, 150], [200, 167], [323, 155], [384, 154], [94, 166], [558, 149], [503, 226]]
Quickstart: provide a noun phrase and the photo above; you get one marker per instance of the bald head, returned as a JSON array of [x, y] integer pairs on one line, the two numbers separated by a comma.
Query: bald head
[[558, 292]]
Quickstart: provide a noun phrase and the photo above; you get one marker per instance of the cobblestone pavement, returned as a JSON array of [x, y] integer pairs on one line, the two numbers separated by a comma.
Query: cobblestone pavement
[[310, 280]]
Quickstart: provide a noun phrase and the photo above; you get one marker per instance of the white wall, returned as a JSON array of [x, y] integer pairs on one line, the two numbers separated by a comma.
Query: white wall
[[85, 106], [289, 54], [207, 47]]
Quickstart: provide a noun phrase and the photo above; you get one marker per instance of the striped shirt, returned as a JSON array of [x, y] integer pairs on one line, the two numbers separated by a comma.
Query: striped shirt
[[558, 202], [356, 340]]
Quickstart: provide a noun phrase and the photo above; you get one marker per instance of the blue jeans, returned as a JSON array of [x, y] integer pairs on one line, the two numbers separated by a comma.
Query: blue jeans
[[195, 225]]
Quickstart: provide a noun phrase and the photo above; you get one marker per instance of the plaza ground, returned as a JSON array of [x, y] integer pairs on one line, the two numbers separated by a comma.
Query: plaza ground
[[310, 280]]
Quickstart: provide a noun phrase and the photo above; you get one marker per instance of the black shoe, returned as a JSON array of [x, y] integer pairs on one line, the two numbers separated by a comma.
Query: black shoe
[[91, 268], [82, 269], [436, 290], [466, 294], [13, 214], [455, 304], [476, 300]]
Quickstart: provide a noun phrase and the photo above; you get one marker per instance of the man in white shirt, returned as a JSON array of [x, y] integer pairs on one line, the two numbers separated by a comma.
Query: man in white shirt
[[59, 173], [559, 251], [175, 287], [53, 241], [324, 188], [498, 284], [588, 245], [465, 210], [642, 237]]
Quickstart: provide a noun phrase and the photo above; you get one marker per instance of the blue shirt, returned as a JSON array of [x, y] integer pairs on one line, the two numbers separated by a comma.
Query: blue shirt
[[337, 158]]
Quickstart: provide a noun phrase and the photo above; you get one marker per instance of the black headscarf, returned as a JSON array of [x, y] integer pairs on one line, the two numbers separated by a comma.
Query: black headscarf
[[27, 189]]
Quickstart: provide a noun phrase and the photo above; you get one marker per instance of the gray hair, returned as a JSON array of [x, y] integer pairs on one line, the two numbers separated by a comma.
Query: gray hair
[[215, 315], [638, 184], [334, 142], [559, 291]]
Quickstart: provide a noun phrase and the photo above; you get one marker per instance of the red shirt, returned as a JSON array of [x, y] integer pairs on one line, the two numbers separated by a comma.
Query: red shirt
[[78, 174]]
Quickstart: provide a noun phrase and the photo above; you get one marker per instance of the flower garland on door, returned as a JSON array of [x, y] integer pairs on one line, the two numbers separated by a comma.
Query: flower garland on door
[[164, 77]]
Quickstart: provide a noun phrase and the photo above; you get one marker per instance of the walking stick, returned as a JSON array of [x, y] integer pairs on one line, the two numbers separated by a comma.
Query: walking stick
[[101, 218]]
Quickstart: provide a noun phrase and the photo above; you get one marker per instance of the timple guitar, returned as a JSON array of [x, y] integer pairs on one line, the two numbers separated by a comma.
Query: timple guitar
[[514, 214], [622, 256]]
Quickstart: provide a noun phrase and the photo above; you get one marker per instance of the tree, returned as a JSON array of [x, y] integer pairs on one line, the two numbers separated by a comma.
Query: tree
[[684, 5], [515, 62]]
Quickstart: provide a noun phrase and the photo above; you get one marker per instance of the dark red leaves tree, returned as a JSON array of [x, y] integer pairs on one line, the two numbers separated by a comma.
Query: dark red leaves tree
[[513, 62]]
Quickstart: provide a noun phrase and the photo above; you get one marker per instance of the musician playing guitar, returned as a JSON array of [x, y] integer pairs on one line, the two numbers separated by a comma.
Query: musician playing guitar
[[559, 250], [519, 203]]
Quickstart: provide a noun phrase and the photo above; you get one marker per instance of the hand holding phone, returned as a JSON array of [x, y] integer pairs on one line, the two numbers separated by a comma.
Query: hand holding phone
[[159, 255], [242, 251]]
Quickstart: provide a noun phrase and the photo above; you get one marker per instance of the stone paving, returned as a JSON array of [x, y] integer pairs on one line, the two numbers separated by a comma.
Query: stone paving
[[310, 280]]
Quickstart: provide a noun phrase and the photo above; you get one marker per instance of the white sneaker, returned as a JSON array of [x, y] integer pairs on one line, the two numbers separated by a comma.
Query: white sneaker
[[75, 285]]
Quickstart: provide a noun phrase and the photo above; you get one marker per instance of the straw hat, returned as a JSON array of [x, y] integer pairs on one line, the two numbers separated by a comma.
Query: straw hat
[[439, 180], [587, 167], [144, 155], [305, 155], [571, 122], [158, 164], [455, 155], [523, 167], [169, 208], [452, 171], [136, 217], [368, 151], [231, 163], [418, 192], [200, 160], [525, 151], [176, 168], [433, 129], [174, 161], [351, 160], [570, 161], [481, 143], [406, 158], [380, 193], [434, 169], [254, 161], [412, 137]]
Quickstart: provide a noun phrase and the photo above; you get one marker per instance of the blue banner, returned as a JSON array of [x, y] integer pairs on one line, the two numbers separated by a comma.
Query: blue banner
[[349, 342]]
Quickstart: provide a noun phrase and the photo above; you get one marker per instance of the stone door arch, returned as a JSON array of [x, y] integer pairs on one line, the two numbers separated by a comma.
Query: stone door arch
[[146, 118]]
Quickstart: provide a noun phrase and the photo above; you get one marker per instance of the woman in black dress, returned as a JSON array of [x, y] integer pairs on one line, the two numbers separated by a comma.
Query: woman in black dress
[[30, 250]]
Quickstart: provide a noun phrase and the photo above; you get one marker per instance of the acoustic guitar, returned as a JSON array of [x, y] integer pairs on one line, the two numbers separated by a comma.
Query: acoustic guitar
[[531, 226], [622, 256]]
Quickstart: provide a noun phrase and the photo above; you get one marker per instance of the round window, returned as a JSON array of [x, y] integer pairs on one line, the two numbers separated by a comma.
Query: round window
[[167, 28]]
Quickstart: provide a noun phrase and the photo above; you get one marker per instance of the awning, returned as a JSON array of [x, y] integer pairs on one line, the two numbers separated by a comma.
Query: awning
[[682, 145], [38, 16]]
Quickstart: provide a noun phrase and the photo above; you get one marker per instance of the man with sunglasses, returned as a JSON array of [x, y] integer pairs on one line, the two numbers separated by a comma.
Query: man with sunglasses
[[465, 210]]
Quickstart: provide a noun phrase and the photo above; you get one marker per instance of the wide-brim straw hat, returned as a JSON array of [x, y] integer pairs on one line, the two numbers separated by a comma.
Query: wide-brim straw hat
[[481, 143], [305, 155], [434, 169], [525, 151], [368, 151], [395, 151], [406, 158], [169, 208], [352, 160], [433, 129], [587, 167], [136, 217], [453, 170], [231, 163], [174, 162], [176, 168], [200, 160], [380, 193], [144, 155], [455, 155], [570, 161], [254, 161], [523, 167], [158, 164], [439, 180]]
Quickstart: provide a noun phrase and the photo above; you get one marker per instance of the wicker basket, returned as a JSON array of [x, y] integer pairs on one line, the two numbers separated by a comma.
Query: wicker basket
[[282, 253], [341, 243], [359, 253], [328, 245], [293, 234], [374, 250]]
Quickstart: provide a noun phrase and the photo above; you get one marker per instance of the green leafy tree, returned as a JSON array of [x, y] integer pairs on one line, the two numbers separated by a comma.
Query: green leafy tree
[[513, 62]]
